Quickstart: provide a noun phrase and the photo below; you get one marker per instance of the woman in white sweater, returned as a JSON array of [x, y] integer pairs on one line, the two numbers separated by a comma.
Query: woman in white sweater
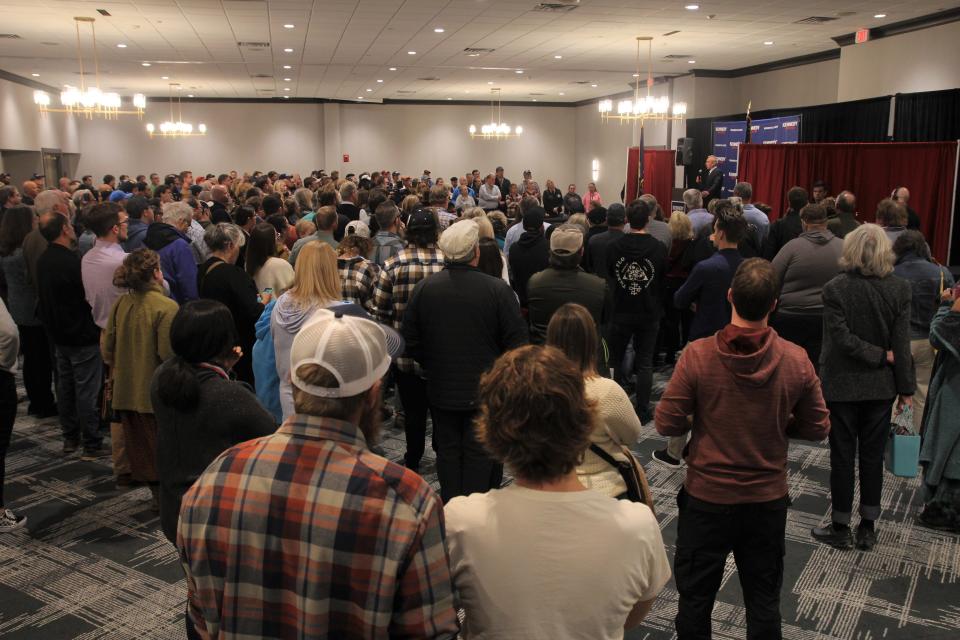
[[572, 330], [262, 263]]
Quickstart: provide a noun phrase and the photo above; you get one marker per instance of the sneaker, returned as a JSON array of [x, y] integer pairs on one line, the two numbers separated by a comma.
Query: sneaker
[[666, 459], [866, 538], [70, 447], [9, 521], [836, 538], [94, 453]]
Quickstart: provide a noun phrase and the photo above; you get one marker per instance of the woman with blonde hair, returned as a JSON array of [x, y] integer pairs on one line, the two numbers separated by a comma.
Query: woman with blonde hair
[[676, 322], [136, 342], [573, 331], [316, 285], [865, 365]]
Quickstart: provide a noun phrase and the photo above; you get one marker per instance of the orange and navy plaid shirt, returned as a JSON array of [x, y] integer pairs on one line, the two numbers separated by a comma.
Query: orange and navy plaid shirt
[[307, 534]]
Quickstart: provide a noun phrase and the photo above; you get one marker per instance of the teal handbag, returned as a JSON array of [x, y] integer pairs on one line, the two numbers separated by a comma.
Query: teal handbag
[[903, 451]]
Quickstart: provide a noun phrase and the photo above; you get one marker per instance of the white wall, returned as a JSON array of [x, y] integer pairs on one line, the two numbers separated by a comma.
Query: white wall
[[925, 60], [285, 137], [23, 127], [412, 138], [804, 86]]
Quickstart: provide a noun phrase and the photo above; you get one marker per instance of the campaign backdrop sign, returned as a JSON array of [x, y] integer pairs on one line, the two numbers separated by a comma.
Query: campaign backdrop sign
[[728, 136]]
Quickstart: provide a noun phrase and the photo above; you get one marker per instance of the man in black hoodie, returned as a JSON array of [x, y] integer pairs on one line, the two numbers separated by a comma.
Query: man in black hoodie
[[636, 264], [530, 254], [787, 227]]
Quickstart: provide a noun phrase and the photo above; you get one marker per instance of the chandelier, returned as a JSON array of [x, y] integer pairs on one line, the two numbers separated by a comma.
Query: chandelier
[[175, 128], [89, 101], [643, 108], [495, 129]]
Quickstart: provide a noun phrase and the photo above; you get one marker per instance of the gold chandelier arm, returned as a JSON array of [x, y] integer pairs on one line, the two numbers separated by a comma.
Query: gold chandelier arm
[[83, 84], [649, 66], [96, 57]]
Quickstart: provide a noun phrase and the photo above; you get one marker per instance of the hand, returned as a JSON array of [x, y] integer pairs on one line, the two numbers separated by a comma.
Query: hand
[[234, 356], [704, 193], [903, 402], [948, 295], [890, 357]]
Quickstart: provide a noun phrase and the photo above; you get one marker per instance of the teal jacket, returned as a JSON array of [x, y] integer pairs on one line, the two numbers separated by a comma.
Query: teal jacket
[[940, 451], [265, 365]]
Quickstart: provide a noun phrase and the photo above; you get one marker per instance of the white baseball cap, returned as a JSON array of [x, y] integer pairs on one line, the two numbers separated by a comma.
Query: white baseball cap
[[351, 348]]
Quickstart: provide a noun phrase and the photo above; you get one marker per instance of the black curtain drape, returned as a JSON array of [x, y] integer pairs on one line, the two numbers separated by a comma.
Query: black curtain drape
[[931, 116], [854, 121], [701, 130]]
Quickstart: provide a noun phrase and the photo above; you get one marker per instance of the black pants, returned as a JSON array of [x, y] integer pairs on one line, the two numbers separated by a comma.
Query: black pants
[[412, 390], [8, 413], [463, 465], [37, 368], [644, 335], [802, 329], [706, 534], [857, 428]]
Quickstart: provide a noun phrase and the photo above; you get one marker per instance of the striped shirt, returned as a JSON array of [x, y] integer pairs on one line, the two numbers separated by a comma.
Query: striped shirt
[[307, 534], [398, 277], [359, 278]]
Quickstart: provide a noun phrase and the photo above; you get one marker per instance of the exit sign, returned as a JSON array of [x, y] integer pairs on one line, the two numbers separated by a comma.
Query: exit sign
[[861, 36]]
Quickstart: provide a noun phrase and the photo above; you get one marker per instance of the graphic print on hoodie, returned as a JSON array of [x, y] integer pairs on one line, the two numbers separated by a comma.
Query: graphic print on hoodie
[[636, 265]]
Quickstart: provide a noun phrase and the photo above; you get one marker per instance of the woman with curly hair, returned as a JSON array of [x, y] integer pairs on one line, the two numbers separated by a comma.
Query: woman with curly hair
[[545, 557], [136, 342]]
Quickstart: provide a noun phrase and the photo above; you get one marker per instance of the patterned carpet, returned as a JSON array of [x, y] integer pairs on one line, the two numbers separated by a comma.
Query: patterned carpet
[[92, 562]]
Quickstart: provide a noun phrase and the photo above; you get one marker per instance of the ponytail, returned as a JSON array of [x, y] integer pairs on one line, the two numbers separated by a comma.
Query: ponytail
[[178, 385]]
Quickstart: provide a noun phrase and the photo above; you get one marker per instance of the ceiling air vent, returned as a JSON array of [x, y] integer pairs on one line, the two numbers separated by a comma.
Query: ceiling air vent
[[554, 7], [9, 36], [678, 56], [815, 20], [478, 50], [103, 12], [670, 33], [255, 46], [582, 82], [261, 75], [406, 91], [429, 79], [263, 92]]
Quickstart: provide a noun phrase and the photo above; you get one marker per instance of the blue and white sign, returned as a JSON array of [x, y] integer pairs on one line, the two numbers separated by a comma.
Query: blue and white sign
[[728, 136]]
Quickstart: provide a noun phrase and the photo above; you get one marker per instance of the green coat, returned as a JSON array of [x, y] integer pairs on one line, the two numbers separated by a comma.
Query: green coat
[[940, 451], [135, 342]]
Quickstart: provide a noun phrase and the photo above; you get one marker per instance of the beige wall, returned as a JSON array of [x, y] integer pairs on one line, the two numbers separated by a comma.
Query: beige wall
[[23, 127], [925, 60], [412, 138], [811, 84]]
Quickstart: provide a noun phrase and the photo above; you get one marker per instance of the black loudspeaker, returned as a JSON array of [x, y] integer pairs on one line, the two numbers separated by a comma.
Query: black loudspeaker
[[684, 152]]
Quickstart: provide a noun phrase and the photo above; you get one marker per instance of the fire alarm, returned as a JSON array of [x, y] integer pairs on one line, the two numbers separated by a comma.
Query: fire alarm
[[346, 157]]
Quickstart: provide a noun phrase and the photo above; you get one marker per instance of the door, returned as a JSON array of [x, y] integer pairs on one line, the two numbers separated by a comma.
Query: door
[[52, 169]]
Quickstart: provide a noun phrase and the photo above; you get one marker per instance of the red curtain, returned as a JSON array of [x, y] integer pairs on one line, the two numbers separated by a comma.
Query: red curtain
[[658, 174], [871, 171]]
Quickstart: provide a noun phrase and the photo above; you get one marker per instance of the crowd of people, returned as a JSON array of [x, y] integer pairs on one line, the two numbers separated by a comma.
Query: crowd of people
[[240, 337]]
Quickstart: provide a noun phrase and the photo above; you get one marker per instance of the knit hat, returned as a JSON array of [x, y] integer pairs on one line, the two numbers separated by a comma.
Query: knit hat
[[459, 240]]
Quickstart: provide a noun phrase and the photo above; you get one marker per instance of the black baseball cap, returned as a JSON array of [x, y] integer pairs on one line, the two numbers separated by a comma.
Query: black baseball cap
[[422, 218], [36, 175]]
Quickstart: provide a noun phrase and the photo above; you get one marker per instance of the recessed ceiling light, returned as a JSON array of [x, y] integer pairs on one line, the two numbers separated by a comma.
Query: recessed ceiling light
[[288, 50], [593, 85], [189, 95], [449, 98], [636, 75], [473, 55], [534, 100], [35, 75], [558, 57], [880, 15], [519, 71], [121, 46], [379, 80], [286, 66], [286, 97], [164, 77], [286, 88], [490, 83], [359, 97], [691, 62], [369, 90], [562, 93], [287, 79], [438, 30], [144, 64], [411, 53], [289, 26], [768, 42], [393, 68], [691, 7]]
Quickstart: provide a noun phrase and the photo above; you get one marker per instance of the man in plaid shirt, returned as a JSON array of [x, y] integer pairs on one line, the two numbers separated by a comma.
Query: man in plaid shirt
[[308, 534], [439, 199], [400, 274], [358, 275]]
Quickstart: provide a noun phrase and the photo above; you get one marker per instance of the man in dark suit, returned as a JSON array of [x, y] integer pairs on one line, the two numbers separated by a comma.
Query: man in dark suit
[[711, 181], [348, 201], [221, 199]]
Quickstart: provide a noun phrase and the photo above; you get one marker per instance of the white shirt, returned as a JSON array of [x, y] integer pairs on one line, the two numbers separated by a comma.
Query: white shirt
[[552, 565], [276, 273]]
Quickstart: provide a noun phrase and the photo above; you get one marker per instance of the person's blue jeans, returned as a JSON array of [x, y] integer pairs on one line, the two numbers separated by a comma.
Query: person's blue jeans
[[78, 387]]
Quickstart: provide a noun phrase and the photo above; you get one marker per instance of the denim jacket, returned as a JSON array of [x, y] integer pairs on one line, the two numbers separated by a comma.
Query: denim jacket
[[925, 285]]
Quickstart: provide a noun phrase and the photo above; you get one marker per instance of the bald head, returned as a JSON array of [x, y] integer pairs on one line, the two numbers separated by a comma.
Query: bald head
[[30, 189], [219, 194]]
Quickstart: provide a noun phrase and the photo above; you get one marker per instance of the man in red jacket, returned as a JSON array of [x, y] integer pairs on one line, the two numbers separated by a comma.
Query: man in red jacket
[[743, 393]]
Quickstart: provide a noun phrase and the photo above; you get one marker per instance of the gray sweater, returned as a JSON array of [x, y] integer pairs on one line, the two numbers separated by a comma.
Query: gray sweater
[[9, 340], [863, 318], [804, 265]]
